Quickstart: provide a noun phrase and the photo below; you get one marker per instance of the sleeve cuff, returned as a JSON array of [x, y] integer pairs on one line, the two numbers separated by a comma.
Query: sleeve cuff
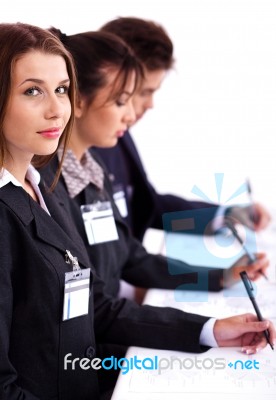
[[207, 337]]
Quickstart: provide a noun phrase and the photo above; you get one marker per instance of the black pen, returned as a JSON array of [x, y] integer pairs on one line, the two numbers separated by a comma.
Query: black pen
[[250, 256], [249, 288]]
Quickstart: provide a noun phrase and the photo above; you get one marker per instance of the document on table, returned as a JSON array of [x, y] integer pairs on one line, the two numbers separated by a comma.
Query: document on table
[[221, 304], [177, 376]]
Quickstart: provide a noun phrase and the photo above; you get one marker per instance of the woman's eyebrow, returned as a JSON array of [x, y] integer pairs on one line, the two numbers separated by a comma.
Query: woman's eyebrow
[[40, 81]]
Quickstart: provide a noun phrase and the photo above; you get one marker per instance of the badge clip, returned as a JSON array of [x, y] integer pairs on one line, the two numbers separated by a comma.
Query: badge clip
[[69, 259]]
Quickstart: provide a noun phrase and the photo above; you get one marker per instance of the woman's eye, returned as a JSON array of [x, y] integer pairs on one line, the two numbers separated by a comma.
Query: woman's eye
[[121, 101], [62, 89], [33, 91]]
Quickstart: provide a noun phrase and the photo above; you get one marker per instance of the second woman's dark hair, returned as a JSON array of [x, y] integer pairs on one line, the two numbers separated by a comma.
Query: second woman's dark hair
[[95, 54]]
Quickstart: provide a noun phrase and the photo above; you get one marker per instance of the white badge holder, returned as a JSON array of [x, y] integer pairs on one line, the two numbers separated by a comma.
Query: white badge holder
[[99, 222], [120, 201], [76, 289]]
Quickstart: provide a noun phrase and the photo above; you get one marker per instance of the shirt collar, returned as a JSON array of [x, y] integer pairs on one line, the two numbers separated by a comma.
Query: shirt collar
[[79, 174], [32, 175]]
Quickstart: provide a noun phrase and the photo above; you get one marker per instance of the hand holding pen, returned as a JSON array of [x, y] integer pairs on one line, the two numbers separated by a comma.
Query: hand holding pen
[[244, 330], [258, 214], [250, 291], [254, 261], [255, 216]]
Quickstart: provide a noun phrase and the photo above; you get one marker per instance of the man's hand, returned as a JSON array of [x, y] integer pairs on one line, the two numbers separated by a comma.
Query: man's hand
[[255, 217], [254, 270], [245, 331]]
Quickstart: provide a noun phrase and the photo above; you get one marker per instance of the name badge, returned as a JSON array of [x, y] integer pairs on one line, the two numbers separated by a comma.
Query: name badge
[[99, 222], [120, 201], [76, 289]]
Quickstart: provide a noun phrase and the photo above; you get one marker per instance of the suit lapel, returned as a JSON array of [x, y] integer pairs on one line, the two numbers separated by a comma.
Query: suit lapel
[[62, 232], [53, 230], [17, 200]]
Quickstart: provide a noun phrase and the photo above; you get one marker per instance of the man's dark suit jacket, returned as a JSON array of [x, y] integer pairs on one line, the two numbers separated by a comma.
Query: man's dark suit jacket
[[145, 205], [33, 338]]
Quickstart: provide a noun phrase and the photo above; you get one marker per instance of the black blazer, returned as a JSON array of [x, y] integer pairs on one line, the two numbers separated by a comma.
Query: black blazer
[[145, 206], [33, 338]]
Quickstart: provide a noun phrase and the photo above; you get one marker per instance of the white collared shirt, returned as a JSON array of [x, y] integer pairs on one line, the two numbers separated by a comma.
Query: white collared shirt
[[32, 175]]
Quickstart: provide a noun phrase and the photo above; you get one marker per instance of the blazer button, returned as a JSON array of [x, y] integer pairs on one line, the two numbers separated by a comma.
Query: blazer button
[[90, 352]]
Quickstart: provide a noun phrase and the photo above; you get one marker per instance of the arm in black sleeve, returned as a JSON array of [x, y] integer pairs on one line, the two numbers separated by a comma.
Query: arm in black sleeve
[[127, 323], [150, 270], [168, 203], [147, 270]]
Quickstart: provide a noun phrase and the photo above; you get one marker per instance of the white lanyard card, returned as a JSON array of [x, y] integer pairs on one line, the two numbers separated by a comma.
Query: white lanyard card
[[99, 222], [76, 290], [120, 201]]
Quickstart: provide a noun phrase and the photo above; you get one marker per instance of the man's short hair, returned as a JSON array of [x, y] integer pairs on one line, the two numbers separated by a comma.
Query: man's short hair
[[149, 41]]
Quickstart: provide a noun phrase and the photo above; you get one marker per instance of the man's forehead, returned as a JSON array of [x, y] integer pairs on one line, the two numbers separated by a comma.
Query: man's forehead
[[152, 80]]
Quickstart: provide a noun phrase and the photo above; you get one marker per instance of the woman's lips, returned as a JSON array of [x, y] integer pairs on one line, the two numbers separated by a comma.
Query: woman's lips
[[120, 134], [51, 133]]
